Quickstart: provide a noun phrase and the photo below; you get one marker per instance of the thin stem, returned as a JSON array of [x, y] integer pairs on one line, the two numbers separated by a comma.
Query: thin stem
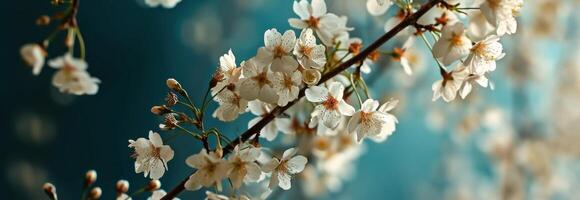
[[410, 20], [81, 42], [197, 136], [441, 68], [355, 90]]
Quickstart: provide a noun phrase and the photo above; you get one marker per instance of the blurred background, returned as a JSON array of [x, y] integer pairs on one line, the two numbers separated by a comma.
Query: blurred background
[[519, 141]]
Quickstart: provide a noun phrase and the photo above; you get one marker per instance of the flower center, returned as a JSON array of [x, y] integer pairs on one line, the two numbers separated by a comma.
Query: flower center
[[354, 48], [374, 56], [305, 50], [313, 22], [288, 83], [331, 103], [456, 40], [279, 51], [262, 79], [398, 54]]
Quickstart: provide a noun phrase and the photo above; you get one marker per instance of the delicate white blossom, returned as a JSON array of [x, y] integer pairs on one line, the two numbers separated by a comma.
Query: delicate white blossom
[[484, 54], [278, 51], [158, 194], [231, 105], [260, 109], [314, 15], [164, 3], [373, 123], [287, 86], [151, 156], [501, 14], [34, 56], [72, 76], [228, 71], [378, 7], [471, 79], [257, 82], [241, 166], [453, 44], [332, 106], [210, 170], [283, 169], [308, 53], [450, 83]]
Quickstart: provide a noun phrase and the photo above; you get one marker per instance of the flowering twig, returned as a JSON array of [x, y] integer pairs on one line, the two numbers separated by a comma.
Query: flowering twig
[[408, 21]]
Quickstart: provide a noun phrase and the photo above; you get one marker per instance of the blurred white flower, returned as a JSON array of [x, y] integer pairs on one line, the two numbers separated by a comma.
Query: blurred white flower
[[257, 82], [278, 51], [72, 76], [284, 168], [151, 156], [123, 197], [453, 44], [378, 7], [213, 196], [471, 79], [158, 194], [260, 109], [231, 105], [373, 123], [34, 56], [450, 83], [438, 15], [484, 54], [308, 53], [404, 56], [501, 14], [211, 170], [287, 86], [314, 15], [478, 27], [331, 106], [164, 3], [241, 166]]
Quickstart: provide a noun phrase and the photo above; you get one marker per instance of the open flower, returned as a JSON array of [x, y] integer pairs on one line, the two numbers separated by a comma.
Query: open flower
[[151, 156], [241, 166], [373, 123], [210, 170], [331, 106], [501, 14], [484, 54], [378, 7], [470, 80], [308, 53], [164, 3], [228, 71], [284, 168], [257, 82], [314, 15], [405, 56], [158, 194], [34, 56], [453, 44], [231, 104], [287, 86], [278, 51], [72, 76], [450, 83]]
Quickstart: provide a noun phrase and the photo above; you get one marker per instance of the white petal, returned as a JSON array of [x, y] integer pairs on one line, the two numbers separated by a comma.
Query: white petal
[[284, 181], [318, 8], [296, 164], [369, 105], [289, 153], [345, 108], [316, 94], [336, 89]]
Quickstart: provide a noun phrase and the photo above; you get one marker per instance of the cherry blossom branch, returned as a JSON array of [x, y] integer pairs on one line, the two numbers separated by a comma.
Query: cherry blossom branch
[[408, 21]]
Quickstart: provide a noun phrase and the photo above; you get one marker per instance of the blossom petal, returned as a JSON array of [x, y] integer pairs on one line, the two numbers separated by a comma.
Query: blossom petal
[[316, 94]]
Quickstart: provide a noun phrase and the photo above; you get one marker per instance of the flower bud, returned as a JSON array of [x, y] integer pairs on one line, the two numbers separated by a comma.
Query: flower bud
[[173, 84], [160, 110], [153, 185], [43, 20], [95, 193], [50, 190], [34, 55], [90, 177], [122, 186], [171, 99], [311, 76]]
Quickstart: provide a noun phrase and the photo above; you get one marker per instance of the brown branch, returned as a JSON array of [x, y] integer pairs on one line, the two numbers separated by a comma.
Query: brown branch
[[410, 20]]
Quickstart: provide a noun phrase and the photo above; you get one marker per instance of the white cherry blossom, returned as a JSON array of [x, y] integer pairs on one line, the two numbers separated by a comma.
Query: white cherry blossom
[[484, 54], [332, 106], [287, 86], [373, 123], [34, 55], [308, 53], [478, 27], [231, 105], [314, 15], [404, 56], [210, 170], [260, 109], [438, 15], [470, 80], [450, 83], [453, 44], [164, 3], [257, 82], [278, 51], [151, 156], [241, 167], [283, 169], [501, 14], [229, 71], [72, 76], [378, 7]]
